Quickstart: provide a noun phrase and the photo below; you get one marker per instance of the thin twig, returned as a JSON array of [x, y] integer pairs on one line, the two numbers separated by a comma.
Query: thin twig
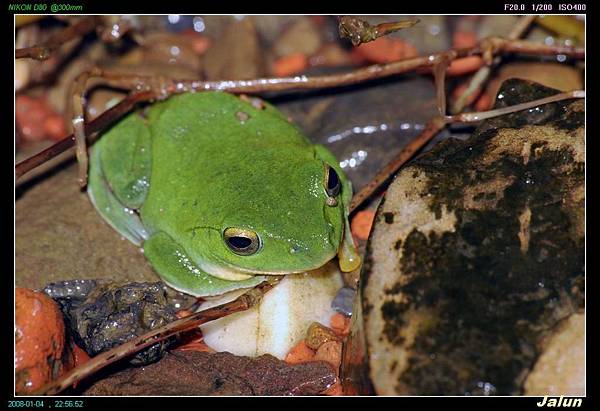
[[242, 303], [534, 48], [164, 87], [43, 52]]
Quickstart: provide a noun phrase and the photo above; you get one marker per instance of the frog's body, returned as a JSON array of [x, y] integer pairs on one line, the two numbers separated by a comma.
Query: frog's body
[[180, 176]]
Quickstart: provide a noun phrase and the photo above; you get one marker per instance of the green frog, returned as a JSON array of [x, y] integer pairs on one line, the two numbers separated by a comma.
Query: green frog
[[221, 191]]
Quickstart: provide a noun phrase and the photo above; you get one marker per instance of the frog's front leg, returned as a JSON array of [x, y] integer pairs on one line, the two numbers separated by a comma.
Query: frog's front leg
[[178, 270], [119, 176]]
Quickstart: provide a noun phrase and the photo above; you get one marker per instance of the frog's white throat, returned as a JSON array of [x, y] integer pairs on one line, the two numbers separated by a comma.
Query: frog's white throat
[[224, 273], [230, 273], [233, 274]]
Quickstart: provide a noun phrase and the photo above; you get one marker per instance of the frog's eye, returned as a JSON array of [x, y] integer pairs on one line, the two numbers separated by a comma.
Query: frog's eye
[[333, 184], [241, 241]]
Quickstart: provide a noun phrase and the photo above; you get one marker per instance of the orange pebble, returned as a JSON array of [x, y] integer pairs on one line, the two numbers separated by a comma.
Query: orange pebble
[[386, 50], [351, 390], [357, 58], [340, 324], [54, 126], [79, 355], [41, 352], [183, 313], [464, 65], [463, 39], [290, 64], [335, 389], [192, 340], [195, 346], [361, 224], [483, 103], [330, 352], [200, 44], [300, 353]]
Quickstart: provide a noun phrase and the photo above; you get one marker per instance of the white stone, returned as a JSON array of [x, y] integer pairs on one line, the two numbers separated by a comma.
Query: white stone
[[281, 319]]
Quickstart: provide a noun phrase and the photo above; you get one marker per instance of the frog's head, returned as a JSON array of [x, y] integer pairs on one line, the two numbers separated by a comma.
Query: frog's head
[[281, 219]]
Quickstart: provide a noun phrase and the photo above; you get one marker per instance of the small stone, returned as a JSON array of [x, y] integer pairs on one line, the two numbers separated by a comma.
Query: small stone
[[344, 301], [330, 352], [41, 351], [362, 223], [113, 314], [318, 334]]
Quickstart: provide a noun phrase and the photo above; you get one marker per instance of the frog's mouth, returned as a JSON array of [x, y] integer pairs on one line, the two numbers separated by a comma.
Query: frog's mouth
[[226, 271]]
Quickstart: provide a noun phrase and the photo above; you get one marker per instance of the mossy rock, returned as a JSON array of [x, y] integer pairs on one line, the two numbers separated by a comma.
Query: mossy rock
[[476, 255]]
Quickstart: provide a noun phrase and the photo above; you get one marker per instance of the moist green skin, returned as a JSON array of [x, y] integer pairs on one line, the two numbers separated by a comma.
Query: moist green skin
[[196, 164], [490, 303]]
